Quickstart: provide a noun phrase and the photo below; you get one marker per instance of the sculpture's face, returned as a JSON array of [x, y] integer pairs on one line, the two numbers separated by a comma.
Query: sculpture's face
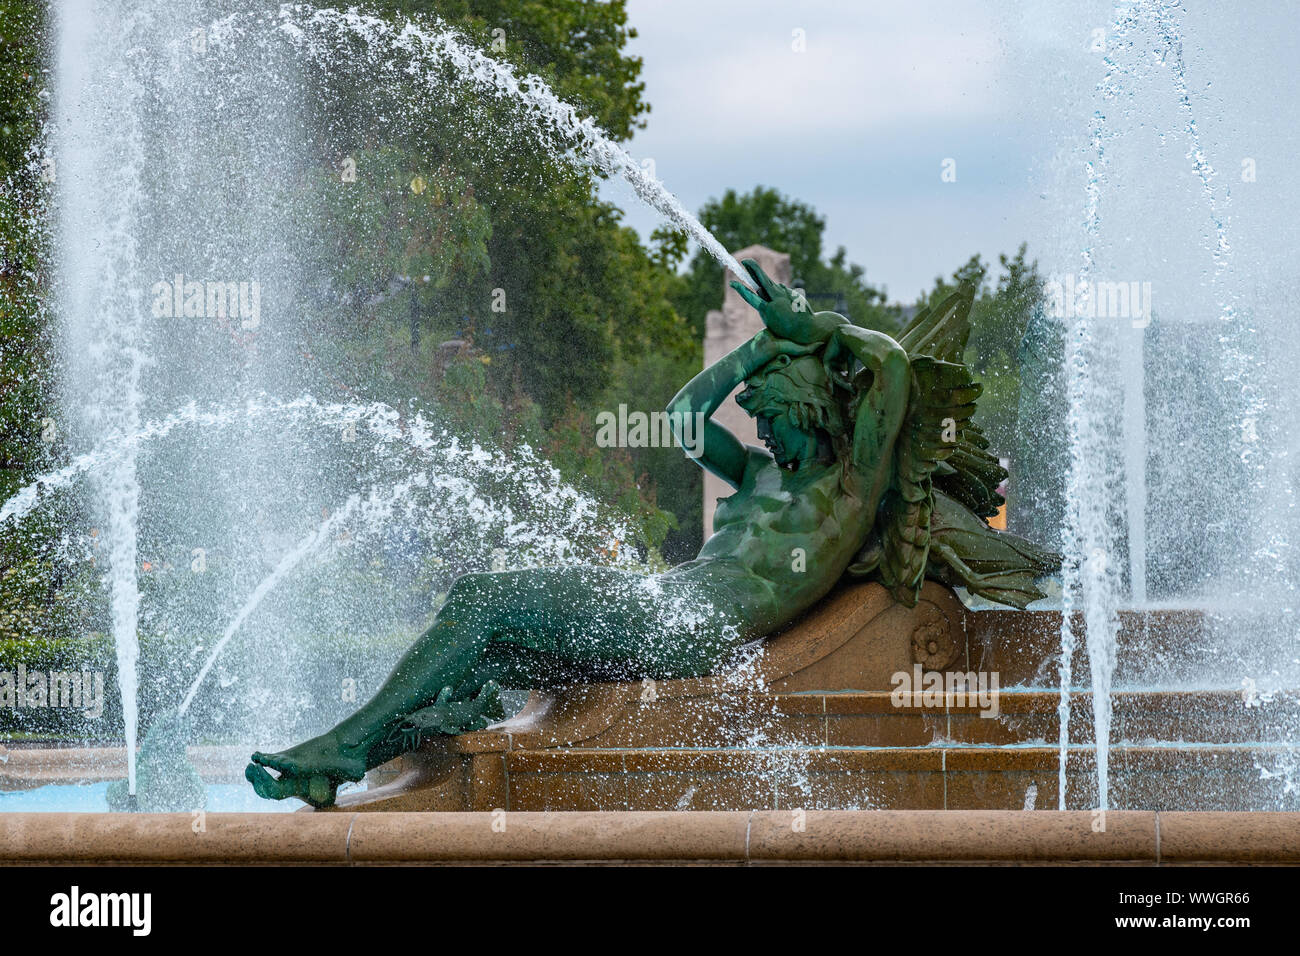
[[784, 397], [788, 443]]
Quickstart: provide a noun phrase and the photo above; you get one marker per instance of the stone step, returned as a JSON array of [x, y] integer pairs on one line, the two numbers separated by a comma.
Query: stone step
[[1232, 777], [875, 719]]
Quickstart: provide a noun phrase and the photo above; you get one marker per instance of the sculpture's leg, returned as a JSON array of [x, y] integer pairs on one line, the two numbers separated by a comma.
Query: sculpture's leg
[[522, 628]]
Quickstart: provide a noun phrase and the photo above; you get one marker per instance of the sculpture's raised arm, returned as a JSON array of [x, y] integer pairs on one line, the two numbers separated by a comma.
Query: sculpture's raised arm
[[721, 452], [880, 409]]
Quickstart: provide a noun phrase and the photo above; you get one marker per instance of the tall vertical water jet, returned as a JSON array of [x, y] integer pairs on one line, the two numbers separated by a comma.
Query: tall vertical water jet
[[99, 149], [1133, 360], [1253, 556], [168, 170], [1270, 490], [1090, 587]]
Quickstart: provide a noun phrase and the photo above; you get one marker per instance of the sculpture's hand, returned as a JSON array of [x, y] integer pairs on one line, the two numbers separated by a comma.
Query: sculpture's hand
[[785, 311], [767, 341]]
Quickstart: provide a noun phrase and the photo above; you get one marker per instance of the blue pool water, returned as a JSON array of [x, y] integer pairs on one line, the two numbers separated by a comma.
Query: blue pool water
[[93, 798]]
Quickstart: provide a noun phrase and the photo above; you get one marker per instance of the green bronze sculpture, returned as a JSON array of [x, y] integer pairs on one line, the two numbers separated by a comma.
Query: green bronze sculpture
[[873, 468]]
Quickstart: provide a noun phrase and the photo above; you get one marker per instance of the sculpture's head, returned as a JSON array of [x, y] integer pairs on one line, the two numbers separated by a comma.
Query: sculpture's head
[[798, 416]]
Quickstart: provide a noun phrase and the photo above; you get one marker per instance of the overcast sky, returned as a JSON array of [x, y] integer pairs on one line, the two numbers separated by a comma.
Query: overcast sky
[[860, 123]]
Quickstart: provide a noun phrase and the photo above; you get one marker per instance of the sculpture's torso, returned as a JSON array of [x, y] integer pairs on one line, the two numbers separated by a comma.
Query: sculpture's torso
[[795, 530]]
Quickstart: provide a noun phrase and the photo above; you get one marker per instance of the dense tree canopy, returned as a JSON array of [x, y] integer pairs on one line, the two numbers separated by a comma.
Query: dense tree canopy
[[23, 344], [458, 224], [29, 572]]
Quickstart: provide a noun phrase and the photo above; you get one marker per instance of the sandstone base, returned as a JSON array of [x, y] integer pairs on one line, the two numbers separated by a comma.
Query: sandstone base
[[813, 725]]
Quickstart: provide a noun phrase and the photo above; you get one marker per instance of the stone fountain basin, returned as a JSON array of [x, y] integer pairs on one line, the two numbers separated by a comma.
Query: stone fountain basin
[[27, 767], [721, 838], [41, 779], [815, 724]]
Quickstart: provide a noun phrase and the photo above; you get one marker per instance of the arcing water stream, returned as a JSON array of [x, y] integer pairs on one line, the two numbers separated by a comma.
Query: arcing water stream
[[420, 49], [133, 148]]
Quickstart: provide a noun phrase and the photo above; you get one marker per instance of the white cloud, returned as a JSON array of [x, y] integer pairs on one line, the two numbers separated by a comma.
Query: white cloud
[[857, 125], [727, 71]]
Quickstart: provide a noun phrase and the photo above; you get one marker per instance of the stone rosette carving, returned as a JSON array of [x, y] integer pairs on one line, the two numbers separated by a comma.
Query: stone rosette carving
[[934, 646]]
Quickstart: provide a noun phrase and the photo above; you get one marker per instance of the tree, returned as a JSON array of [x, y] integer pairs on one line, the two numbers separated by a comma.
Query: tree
[[578, 47], [560, 306], [24, 346], [545, 293], [767, 217], [30, 572]]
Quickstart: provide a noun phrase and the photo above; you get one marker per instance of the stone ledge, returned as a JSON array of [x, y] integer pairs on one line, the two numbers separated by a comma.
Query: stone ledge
[[741, 837]]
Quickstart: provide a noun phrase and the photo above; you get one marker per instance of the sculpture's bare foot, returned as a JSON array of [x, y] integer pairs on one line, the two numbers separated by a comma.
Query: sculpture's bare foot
[[447, 717], [312, 771]]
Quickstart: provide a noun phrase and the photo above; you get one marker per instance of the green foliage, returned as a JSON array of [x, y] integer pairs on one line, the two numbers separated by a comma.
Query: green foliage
[[670, 247], [24, 349], [21, 112], [577, 46], [40, 595], [30, 579], [404, 219], [567, 441], [556, 302], [648, 382], [546, 285]]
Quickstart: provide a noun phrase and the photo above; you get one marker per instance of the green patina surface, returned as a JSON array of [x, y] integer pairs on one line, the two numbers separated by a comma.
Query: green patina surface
[[873, 468]]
